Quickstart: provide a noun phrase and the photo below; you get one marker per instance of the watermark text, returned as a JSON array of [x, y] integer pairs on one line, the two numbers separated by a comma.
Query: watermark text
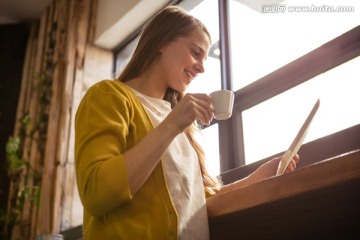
[[282, 8]]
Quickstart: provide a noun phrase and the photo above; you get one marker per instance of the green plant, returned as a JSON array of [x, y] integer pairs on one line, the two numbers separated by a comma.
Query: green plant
[[25, 179], [19, 170]]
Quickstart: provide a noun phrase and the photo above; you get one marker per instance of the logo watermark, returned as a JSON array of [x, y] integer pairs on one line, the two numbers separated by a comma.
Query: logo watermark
[[282, 8]]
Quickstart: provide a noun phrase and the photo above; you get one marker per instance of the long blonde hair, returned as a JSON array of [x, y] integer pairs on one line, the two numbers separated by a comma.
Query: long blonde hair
[[169, 24]]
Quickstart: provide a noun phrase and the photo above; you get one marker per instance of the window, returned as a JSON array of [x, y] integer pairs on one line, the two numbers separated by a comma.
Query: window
[[274, 123], [271, 36], [264, 42]]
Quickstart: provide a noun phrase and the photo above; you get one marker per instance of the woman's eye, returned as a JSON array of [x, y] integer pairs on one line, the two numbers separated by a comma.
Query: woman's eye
[[196, 54]]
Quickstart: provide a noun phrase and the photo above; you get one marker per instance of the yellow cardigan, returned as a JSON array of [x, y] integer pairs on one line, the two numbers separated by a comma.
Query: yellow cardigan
[[110, 120]]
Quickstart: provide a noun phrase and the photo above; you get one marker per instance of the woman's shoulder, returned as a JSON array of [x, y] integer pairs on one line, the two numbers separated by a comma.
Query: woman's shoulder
[[106, 92], [110, 87], [114, 89]]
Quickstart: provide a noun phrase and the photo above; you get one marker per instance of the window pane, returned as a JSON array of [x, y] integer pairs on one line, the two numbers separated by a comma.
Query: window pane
[[270, 127], [209, 139], [264, 42], [123, 56]]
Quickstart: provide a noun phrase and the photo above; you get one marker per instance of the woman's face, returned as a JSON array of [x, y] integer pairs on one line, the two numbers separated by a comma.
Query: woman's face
[[181, 60]]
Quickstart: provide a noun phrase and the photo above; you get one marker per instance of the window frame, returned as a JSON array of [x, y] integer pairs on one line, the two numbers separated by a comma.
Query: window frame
[[231, 137]]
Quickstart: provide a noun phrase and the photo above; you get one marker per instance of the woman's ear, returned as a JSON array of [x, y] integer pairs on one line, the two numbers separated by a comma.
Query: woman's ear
[[163, 47], [161, 50]]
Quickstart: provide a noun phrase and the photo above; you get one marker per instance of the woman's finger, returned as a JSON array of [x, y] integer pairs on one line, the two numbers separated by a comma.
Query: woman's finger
[[292, 166], [204, 115], [202, 105]]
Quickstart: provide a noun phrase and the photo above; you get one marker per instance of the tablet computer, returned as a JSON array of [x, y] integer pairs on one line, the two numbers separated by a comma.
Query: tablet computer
[[297, 142]]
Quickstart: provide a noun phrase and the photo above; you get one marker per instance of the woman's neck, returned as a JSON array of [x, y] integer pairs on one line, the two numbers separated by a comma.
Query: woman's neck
[[149, 83]]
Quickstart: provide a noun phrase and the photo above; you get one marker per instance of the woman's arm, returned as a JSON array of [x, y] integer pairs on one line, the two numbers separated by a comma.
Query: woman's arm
[[266, 170], [143, 157]]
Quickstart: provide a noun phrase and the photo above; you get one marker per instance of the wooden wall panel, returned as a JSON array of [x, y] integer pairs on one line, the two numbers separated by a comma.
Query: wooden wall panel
[[59, 49]]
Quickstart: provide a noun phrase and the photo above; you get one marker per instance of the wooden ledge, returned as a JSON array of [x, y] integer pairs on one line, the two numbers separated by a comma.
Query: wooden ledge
[[323, 174]]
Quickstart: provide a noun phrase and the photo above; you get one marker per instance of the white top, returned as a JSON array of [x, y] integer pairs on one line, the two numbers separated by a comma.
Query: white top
[[182, 174]]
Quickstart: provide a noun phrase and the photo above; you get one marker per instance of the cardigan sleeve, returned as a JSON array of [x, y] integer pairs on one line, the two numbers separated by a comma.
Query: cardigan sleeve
[[101, 128]]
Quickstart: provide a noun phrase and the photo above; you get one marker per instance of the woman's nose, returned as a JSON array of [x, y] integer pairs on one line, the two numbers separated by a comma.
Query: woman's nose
[[199, 68]]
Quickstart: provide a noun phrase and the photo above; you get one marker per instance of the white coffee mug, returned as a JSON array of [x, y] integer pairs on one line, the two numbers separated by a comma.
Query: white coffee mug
[[223, 101]]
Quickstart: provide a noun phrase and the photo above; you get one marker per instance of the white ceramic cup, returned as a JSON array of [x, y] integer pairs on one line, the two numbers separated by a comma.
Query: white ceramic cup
[[223, 101]]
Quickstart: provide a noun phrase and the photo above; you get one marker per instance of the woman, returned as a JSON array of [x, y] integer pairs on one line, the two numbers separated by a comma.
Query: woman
[[140, 172]]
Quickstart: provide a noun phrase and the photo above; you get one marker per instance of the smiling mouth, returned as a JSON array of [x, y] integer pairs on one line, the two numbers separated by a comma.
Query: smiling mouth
[[190, 75]]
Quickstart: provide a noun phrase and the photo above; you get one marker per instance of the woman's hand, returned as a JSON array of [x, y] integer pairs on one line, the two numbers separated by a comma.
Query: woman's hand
[[269, 168], [191, 107]]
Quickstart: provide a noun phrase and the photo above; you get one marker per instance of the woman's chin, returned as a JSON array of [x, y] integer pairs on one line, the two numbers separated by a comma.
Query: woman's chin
[[181, 88]]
